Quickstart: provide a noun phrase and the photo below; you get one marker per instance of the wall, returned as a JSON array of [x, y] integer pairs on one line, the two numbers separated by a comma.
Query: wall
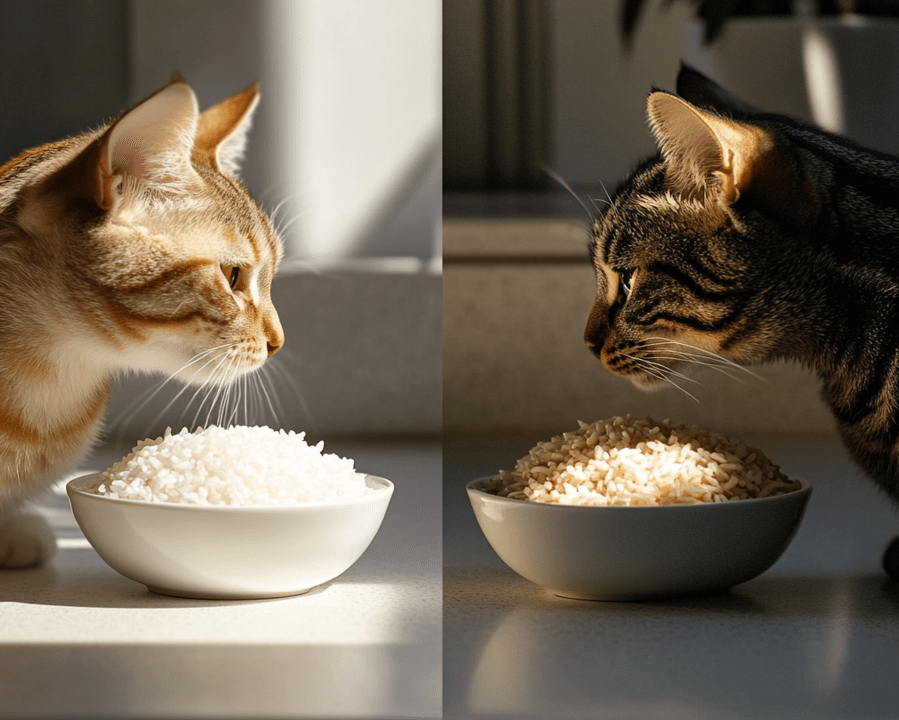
[[64, 69], [599, 89], [346, 139], [516, 295], [347, 135]]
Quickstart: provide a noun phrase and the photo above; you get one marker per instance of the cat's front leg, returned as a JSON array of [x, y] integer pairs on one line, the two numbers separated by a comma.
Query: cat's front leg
[[26, 540]]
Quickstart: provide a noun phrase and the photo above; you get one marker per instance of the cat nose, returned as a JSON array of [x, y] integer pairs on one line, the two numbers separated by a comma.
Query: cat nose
[[597, 329], [274, 333]]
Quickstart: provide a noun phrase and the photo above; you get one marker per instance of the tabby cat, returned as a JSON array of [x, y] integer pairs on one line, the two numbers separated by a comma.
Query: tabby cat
[[130, 248], [754, 237]]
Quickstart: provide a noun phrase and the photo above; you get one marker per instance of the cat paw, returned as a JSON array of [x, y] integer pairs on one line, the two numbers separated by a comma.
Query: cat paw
[[25, 541], [891, 559]]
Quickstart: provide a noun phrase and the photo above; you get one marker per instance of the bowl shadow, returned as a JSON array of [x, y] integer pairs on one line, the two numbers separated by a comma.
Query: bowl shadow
[[93, 585]]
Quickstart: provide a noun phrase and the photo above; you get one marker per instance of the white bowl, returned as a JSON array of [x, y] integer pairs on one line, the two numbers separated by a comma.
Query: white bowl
[[642, 552], [229, 552]]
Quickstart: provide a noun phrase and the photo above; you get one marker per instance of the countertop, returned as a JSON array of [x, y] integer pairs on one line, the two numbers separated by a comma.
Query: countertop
[[79, 640], [815, 637]]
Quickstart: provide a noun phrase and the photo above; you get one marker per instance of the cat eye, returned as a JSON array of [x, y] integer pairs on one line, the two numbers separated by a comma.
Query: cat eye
[[626, 278], [233, 274]]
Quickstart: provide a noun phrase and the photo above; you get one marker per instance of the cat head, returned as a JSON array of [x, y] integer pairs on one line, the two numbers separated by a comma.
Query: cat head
[[161, 259], [686, 256]]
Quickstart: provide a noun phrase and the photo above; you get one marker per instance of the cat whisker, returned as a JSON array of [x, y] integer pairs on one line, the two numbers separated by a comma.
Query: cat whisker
[[226, 397], [661, 373], [644, 361], [273, 214], [242, 396], [676, 356], [608, 197], [703, 352], [238, 398], [147, 396], [260, 380], [559, 179], [209, 390], [250, 397], [284, 227], [276, 373], [254, 396], [237, 394], [154, 391], [219, 400], [227, 391], [223, 391], [262, 399]]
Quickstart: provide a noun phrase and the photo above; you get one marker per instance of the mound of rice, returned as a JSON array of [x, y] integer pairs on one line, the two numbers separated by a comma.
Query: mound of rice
[[234, 466], [623, 461]]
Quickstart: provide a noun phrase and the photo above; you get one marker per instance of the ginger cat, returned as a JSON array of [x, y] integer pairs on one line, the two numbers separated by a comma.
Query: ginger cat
[[130, 248]]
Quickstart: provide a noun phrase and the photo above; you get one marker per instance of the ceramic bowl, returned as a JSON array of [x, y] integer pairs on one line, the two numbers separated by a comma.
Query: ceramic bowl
[[229, 552], [638, 553]]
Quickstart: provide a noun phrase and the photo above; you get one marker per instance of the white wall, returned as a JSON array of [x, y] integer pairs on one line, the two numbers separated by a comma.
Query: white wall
[[348, 130], [599, 120]]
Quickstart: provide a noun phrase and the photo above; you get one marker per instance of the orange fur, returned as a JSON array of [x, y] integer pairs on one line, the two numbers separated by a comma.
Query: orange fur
[[115, 245]]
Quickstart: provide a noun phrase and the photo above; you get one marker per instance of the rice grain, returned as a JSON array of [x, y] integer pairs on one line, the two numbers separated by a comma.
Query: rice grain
[[234, 466], [627, 461]]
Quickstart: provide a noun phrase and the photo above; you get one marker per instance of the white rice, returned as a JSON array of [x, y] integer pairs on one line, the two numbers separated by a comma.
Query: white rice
[[624, 461], [234, 466]]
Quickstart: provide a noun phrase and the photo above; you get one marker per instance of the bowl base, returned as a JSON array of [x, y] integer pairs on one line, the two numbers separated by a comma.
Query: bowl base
[[169, 592]]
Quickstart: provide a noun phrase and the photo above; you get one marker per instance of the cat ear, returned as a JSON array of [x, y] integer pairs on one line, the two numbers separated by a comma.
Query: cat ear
[[148, 145], [704, 151], [222, 131]]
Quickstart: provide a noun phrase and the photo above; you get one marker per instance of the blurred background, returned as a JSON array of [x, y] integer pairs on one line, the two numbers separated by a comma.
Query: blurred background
[[534, 88], [345, 144]]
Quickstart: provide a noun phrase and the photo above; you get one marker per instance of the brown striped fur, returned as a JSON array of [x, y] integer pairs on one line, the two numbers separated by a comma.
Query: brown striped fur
[[118, 248], [750, 238]]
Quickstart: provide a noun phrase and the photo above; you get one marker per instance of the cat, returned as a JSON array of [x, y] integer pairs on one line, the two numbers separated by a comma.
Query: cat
[[133, 247], [755, 237]]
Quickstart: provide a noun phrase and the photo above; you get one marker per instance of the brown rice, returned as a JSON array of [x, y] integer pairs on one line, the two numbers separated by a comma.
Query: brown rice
[[626, 461]]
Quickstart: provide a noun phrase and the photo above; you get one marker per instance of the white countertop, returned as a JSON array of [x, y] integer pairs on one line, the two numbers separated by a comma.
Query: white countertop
[[815, 637], [78, 639]]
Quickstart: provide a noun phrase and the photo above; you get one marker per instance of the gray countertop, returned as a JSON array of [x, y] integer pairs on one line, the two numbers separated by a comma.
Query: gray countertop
[[79, 640], [814, 637], [817, 636]]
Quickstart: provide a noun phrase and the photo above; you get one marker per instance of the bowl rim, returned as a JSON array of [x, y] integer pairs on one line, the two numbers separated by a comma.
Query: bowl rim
[[77, 486], [477, 486]]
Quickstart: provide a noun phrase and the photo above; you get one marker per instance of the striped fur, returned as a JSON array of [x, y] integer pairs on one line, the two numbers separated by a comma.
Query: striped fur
[[119, 249], [751, 238]]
